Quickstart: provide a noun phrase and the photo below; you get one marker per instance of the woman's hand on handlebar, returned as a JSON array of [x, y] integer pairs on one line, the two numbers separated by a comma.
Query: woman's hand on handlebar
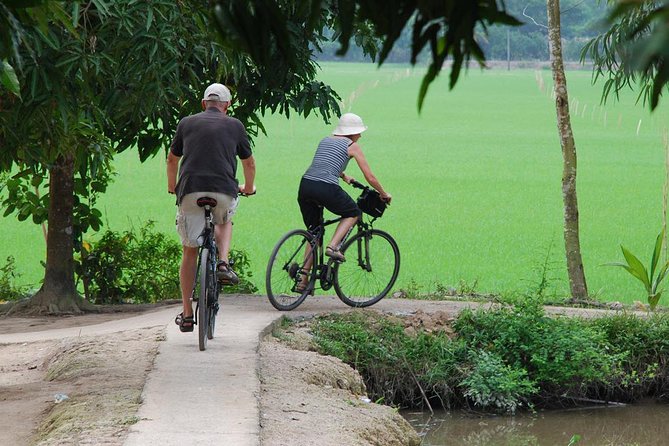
[[244, 191], [386, 197]]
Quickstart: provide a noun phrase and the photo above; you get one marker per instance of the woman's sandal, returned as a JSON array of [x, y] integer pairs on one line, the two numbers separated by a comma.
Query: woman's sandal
[[334, 254], [303, 283], [185, 323]]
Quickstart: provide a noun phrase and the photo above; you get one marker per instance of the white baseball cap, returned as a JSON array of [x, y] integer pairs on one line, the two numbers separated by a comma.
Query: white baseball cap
[[349, 124], [217, 92]]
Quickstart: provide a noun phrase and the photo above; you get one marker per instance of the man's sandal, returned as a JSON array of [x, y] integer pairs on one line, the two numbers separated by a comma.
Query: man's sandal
[[185, 323], [225, 273]]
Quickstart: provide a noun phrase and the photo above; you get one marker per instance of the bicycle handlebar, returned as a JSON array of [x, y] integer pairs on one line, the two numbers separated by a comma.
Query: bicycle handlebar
[[358, 185]]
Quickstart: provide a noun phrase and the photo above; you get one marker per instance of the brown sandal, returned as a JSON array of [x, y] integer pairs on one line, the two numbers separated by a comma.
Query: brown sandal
[[302, 285], [334, 254], [185, 323]]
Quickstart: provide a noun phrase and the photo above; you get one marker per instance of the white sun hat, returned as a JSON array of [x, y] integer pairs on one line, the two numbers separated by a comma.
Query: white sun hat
[[217, 92], [349, 124]]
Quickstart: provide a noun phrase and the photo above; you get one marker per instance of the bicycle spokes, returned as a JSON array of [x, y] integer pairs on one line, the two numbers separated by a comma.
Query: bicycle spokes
[[289, 271], [370, 271]]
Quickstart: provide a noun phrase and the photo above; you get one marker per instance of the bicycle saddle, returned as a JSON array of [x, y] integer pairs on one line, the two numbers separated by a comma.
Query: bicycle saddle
[[206, 201]]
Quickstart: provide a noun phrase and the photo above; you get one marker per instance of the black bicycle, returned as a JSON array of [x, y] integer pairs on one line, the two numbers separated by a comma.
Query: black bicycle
[[206, 286], [364, 278]]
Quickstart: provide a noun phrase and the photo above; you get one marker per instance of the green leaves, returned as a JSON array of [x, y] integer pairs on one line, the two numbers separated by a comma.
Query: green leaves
[[8, 78], [652, 279], [446, 28], [634, 50]]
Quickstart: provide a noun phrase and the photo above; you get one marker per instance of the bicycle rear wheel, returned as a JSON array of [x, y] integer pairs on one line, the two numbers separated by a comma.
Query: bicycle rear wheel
[[286, 269], [206, 275], [212, 298], [370, 270]]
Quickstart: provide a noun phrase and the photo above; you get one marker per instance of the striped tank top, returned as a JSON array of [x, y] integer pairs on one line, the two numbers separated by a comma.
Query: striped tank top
[[330, 160]]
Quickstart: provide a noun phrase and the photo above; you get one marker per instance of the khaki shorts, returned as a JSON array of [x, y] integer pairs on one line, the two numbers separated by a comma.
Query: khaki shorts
[[190, 217]]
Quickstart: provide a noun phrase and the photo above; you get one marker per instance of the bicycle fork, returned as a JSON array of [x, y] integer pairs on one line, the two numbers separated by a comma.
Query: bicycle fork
[[363, 252]]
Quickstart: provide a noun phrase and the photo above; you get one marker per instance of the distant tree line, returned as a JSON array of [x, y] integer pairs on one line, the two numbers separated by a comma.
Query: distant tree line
[[581, 21]]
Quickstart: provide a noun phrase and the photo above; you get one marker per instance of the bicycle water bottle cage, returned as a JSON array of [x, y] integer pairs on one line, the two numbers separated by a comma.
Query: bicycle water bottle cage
[[206, 201]]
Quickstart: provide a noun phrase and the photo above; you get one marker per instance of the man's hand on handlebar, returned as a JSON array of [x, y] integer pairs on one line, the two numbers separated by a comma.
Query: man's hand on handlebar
[[245, 192], [386, 197]]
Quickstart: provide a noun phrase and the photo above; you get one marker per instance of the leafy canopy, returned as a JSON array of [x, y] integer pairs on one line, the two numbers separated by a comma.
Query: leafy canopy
[[262, 28]]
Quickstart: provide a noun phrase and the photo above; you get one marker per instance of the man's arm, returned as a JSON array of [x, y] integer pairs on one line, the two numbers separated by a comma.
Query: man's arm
[[172, 169], [249, 166]]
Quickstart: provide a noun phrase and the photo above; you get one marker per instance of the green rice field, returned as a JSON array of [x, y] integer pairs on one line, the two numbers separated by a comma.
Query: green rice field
[[475, 179]]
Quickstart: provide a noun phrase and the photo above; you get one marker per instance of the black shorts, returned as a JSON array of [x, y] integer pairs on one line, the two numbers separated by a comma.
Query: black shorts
[[313, 196]]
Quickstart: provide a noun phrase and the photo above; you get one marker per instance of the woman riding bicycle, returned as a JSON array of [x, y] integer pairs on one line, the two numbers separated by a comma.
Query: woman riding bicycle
[[320, 188]]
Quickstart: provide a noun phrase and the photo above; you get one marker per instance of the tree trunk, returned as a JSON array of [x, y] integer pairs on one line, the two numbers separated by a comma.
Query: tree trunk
[[58, 293], [572, 244]]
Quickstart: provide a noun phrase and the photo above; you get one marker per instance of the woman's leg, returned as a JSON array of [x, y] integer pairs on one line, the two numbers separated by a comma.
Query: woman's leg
[[342, 229]]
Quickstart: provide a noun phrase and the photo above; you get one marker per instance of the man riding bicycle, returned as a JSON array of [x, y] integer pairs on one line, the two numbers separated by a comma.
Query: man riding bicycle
[[204, 151]]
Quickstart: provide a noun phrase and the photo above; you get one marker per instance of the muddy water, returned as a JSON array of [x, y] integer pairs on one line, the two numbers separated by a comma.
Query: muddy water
[[634, 425]]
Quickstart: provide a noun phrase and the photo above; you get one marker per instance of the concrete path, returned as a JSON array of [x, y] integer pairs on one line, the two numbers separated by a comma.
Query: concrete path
[[209, 397]]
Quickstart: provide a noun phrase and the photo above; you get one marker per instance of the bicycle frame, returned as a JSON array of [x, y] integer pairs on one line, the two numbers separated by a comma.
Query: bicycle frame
[[324, 269]]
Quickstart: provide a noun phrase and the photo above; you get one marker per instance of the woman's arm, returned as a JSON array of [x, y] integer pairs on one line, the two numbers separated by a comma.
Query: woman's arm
[[355, 151]]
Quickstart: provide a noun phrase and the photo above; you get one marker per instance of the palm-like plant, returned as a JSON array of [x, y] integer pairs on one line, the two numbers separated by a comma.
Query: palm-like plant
[[652, 278]]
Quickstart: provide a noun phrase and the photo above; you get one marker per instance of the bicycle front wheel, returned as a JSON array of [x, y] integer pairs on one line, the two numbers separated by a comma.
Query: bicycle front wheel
[[206, 277], [370, 270], [290, 264]]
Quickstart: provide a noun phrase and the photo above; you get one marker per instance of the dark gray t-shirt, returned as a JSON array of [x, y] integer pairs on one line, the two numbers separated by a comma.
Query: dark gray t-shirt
[[209, 144]]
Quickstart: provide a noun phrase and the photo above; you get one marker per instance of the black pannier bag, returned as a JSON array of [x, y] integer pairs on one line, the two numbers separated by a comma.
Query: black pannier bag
[[370, 203]]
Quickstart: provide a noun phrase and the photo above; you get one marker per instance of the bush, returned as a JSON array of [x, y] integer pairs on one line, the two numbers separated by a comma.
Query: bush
[[130, 268], [397, 368], [142, 267], [502, 359], [242, 266], [491, 384], [8, 288], [560, 354], [643, 345]]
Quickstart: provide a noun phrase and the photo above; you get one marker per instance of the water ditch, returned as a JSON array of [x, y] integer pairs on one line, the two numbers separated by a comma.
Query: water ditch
[[641, 424]]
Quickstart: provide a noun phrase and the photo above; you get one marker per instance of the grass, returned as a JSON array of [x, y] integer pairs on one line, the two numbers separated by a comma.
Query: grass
[[476, 180]]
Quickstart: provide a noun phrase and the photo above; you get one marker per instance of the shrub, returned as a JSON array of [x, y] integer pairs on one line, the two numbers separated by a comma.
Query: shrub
[[129, 267], [397, 368], [491, 384], [643, 345], [242, 265], [8, 275], [557, 353], [139, 267], [500, 360]]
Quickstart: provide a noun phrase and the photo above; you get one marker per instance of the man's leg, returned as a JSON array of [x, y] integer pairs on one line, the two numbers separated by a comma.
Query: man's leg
[[223, 234], [187, 277]]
